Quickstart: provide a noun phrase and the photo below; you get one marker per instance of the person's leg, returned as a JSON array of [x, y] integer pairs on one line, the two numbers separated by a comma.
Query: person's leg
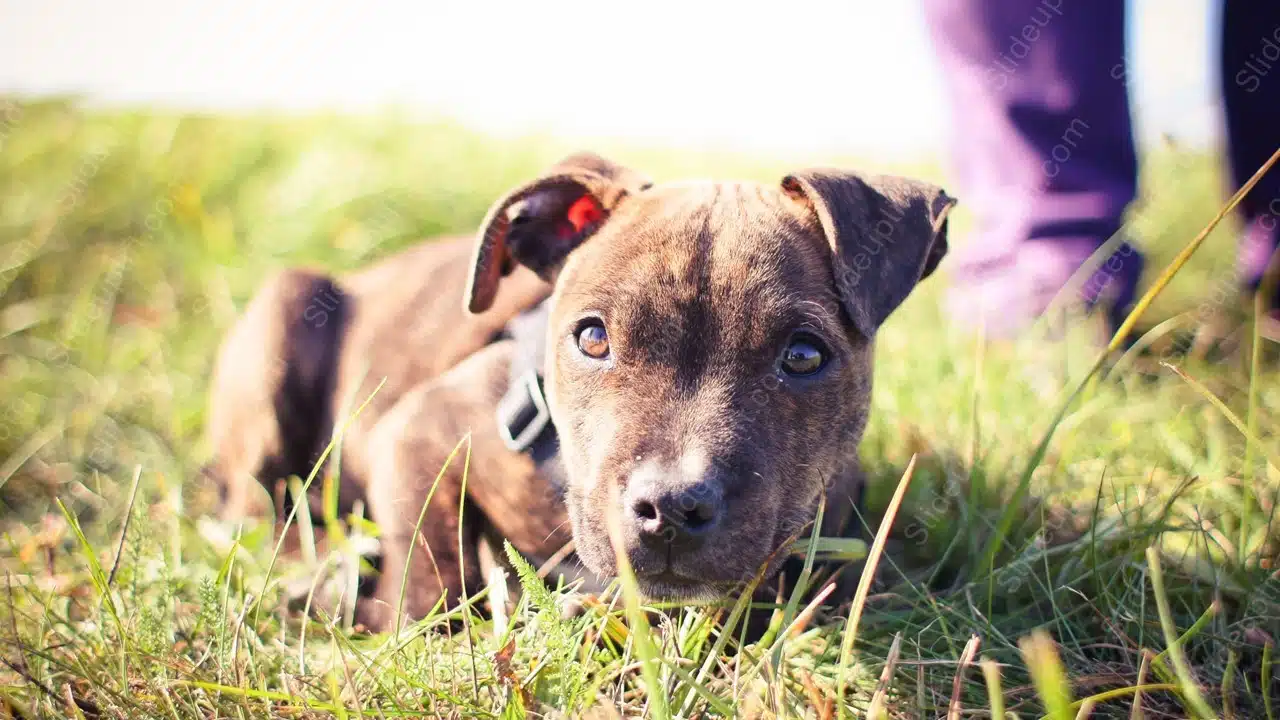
[[1043, 150], [1251, 98]]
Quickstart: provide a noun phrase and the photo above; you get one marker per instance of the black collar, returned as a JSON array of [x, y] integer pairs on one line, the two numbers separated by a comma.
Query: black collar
[[524, 421]]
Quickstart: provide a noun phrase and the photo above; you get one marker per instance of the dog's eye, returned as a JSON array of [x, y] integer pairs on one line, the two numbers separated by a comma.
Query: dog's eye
[[593, 341], [802, 357]]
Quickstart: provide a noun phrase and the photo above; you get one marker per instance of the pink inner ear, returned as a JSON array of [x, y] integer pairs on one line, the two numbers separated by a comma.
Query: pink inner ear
[[584, 211]]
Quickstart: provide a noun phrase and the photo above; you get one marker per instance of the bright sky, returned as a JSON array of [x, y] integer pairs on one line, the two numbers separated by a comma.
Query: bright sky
[[801, 75]]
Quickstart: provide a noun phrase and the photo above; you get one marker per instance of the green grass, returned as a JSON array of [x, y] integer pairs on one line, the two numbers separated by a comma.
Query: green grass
[[131, 240]]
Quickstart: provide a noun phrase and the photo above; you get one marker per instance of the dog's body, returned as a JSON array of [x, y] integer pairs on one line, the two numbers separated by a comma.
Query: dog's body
[[707, 370]]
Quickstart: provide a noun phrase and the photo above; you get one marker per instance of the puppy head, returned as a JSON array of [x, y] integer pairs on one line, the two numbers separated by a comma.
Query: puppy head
[[709, 350]]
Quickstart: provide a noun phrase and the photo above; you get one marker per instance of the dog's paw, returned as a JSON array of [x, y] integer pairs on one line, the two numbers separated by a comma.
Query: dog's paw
[[571, 605], [330, 586]]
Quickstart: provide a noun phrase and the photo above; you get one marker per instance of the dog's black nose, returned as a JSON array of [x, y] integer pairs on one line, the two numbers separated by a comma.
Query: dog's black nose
[[667, 511]]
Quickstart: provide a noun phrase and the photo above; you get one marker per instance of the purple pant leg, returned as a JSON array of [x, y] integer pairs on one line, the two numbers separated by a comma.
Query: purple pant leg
[[1251, 97], [1043, 150]]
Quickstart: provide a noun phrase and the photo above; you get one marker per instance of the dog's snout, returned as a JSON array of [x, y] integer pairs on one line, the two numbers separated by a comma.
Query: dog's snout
[[669, 510]]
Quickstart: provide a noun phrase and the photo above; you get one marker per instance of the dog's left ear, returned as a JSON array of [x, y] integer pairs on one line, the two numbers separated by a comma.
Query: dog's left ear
[[887, 233], [538, 224]]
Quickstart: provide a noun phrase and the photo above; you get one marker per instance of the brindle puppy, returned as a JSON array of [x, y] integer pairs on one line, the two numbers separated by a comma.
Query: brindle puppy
[[707, 362]]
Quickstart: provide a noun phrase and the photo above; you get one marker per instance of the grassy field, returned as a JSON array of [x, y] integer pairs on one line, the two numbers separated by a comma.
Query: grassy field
[[1127, 565]]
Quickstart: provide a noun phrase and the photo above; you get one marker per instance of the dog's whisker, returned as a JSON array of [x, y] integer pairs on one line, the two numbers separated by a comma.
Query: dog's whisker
[[556, 529]]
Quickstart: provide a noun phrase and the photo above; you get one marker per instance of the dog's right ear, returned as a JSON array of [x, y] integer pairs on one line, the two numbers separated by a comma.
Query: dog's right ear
[[887, 233], [538, 224]]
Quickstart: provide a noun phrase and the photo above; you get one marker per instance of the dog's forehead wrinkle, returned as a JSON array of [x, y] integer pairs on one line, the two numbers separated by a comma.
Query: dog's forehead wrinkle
[[726, 279], [724, 237]]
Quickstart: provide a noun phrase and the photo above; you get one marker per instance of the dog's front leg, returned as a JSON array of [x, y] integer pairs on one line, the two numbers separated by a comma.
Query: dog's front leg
[[412, 476], [410, 448], [415, 500]]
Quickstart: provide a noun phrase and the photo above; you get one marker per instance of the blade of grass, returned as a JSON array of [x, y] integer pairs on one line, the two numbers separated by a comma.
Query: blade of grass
[[966, 659], [1135, 690], [801, 586], [864, 584], [1266, 680], [306, 533], [462, 572], [641, 636], [103, 585], [345, 546], [797, 626], [1136, 712], [96, 575], [1228, 685], [995, 696], [876, 709], [1209, 614], [124, 531], [698, 688], [1048, 674], [832, 549], [335, 693], [1190, 689], [1134, 351], [1185, 254]]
